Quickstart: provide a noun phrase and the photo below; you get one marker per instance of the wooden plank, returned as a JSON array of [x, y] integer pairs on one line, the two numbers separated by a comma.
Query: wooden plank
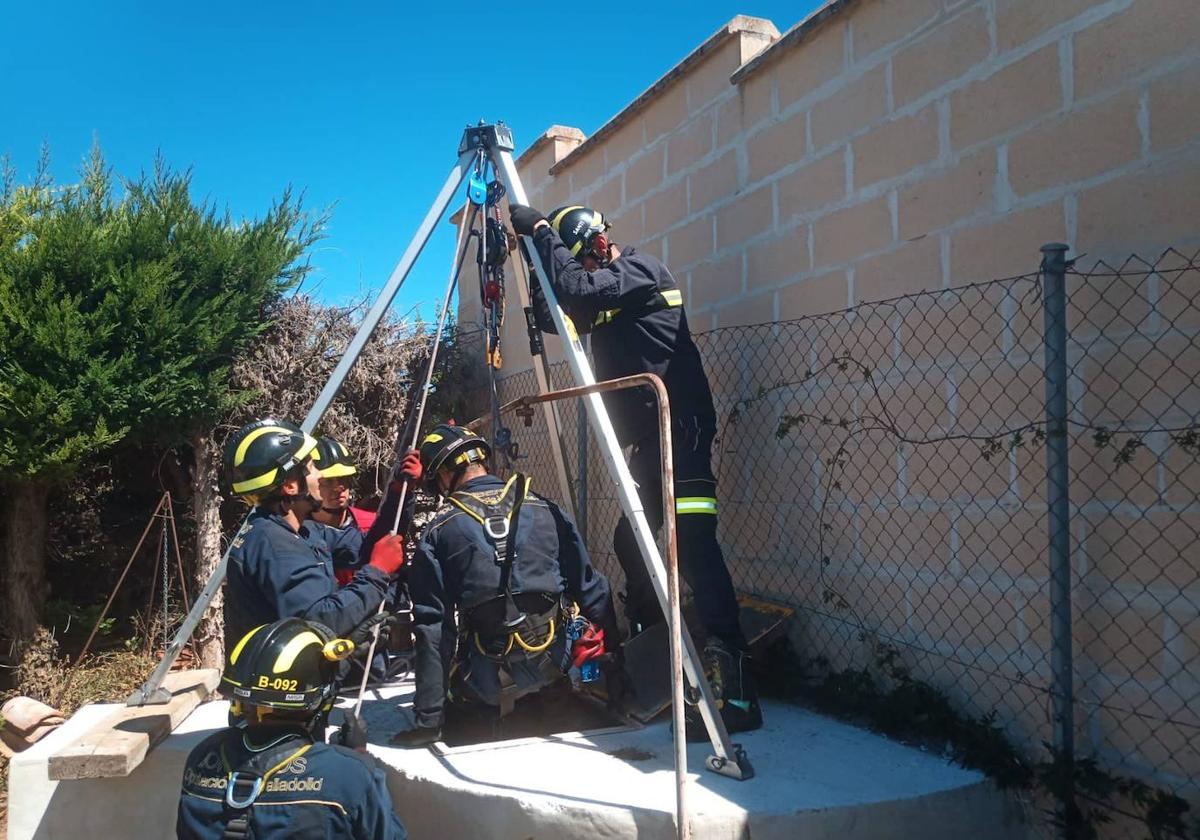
[[120, 743]]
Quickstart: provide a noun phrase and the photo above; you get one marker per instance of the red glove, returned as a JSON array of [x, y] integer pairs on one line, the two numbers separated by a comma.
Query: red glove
[[388, 554], [409, 471], [588, 646]]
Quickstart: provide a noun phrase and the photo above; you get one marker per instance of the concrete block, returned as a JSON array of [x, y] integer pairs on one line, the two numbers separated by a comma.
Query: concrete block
[[691, 242], [811, 63], [628, 225], [845, 234], [1142, 211], [625, 142], [817, 184], [746, 218], [606, 197], [690, 144], [645, 172], [774, 261], [755, 309], [1175, 109], [882, 22], [1081, 144], [1011, 97], [814, 296], [914, 266], [1004, 246], [1018, 21], [947, 195], [713, 182], [715, 280], [1122, 639], [710, 79], [896, 147], [945, 53], [667, 112], [665, 207], [1119, 48], [1148, 550], [853, 106], [779, 145], [583, 168]]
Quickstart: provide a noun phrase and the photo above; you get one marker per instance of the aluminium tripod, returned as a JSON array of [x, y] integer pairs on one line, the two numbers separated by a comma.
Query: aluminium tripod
[[495, 142]]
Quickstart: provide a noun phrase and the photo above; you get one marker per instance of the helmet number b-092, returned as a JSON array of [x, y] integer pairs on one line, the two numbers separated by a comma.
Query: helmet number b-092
[[277, 684]]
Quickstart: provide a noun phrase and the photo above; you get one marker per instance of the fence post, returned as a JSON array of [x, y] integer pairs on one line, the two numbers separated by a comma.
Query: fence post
[[1054, 299]]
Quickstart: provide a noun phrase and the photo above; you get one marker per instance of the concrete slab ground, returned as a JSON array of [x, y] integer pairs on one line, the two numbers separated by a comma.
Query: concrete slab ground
[[817, 779]]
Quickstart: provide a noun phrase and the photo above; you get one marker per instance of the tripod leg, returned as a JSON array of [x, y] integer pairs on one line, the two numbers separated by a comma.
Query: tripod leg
[[727, 760], [151, 691]]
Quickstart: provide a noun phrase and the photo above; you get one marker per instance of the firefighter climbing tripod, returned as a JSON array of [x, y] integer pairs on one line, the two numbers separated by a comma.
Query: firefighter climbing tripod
[[482, 146]]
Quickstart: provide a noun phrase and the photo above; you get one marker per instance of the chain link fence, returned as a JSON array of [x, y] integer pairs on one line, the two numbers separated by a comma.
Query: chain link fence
[[883, 470]]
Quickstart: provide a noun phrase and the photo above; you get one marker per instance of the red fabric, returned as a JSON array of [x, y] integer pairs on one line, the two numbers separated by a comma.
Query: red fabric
[[364, 519], [588, 646], [388, 554], [343, 576]]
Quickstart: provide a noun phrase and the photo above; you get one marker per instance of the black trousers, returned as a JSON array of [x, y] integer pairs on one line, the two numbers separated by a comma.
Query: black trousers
[[701, 561]]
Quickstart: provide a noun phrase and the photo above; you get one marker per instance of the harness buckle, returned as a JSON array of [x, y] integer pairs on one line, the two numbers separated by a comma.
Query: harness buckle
[[496, 527], [230, 791]]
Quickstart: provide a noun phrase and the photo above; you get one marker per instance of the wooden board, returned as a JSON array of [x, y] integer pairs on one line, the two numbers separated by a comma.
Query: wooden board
[[120, 743]]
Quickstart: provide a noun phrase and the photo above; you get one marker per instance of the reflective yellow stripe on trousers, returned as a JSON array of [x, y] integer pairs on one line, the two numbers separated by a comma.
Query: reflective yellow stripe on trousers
[[696, 504]]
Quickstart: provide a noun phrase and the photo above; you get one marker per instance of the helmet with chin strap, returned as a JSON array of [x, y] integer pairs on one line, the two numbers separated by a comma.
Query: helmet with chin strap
[[263, 455], [333, 460], [451, 448], [577, 226], [287, 669]]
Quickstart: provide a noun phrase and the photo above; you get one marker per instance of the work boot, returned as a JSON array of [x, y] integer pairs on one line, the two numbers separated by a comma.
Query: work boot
[[733, 690]]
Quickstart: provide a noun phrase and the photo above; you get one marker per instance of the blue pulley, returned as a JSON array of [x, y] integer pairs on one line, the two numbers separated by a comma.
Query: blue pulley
[[477, 190]]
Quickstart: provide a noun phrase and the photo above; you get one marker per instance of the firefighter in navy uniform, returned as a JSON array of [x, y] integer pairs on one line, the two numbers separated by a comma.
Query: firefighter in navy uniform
[[281, 566], [272, 776], [632, 307], [507, 560], [347, 523]]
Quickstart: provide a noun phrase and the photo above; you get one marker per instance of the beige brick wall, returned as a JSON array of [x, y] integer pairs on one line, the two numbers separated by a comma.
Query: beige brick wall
[[886, 147]]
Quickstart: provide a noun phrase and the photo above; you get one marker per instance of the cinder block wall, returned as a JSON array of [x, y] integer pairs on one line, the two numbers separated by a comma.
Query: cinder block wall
[[883, 147]]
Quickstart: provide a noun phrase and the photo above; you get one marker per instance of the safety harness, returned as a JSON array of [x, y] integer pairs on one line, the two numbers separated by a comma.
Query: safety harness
[[508, 627], [250, 778], [668, 299]]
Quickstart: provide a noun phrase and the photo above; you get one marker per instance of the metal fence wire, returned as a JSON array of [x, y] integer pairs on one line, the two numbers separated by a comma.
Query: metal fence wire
[[884, 471]]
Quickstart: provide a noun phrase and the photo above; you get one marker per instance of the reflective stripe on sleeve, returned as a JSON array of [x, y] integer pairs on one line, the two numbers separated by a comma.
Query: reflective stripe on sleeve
[[696, 504]]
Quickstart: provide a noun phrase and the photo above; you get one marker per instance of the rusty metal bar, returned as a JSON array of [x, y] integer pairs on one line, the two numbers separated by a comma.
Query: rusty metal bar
[[650, 380]]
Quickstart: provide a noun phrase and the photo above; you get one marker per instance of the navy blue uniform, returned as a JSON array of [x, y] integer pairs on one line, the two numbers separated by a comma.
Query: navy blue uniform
[[276, 572], [455, 567], [323, 792], [633, 310], [345, 547]]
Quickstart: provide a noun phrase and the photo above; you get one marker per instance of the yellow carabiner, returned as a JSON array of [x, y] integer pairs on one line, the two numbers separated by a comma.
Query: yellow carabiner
[[539, 648]]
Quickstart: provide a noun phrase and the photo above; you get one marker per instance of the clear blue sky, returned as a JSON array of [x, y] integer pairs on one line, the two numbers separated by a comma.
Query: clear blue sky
[[360, 104]]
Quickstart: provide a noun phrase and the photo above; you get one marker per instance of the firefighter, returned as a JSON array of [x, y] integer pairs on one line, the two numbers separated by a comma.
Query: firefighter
[[346, 523], [632, 307], [503, 558], [281, 566], [282, 680]]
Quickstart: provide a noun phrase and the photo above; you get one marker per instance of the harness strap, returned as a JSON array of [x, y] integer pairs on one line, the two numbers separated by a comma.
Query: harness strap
[[662, 299], [247, 781], [499, 516]]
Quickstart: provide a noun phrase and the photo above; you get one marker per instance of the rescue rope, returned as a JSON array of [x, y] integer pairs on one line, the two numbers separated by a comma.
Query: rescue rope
[[465, 233]]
